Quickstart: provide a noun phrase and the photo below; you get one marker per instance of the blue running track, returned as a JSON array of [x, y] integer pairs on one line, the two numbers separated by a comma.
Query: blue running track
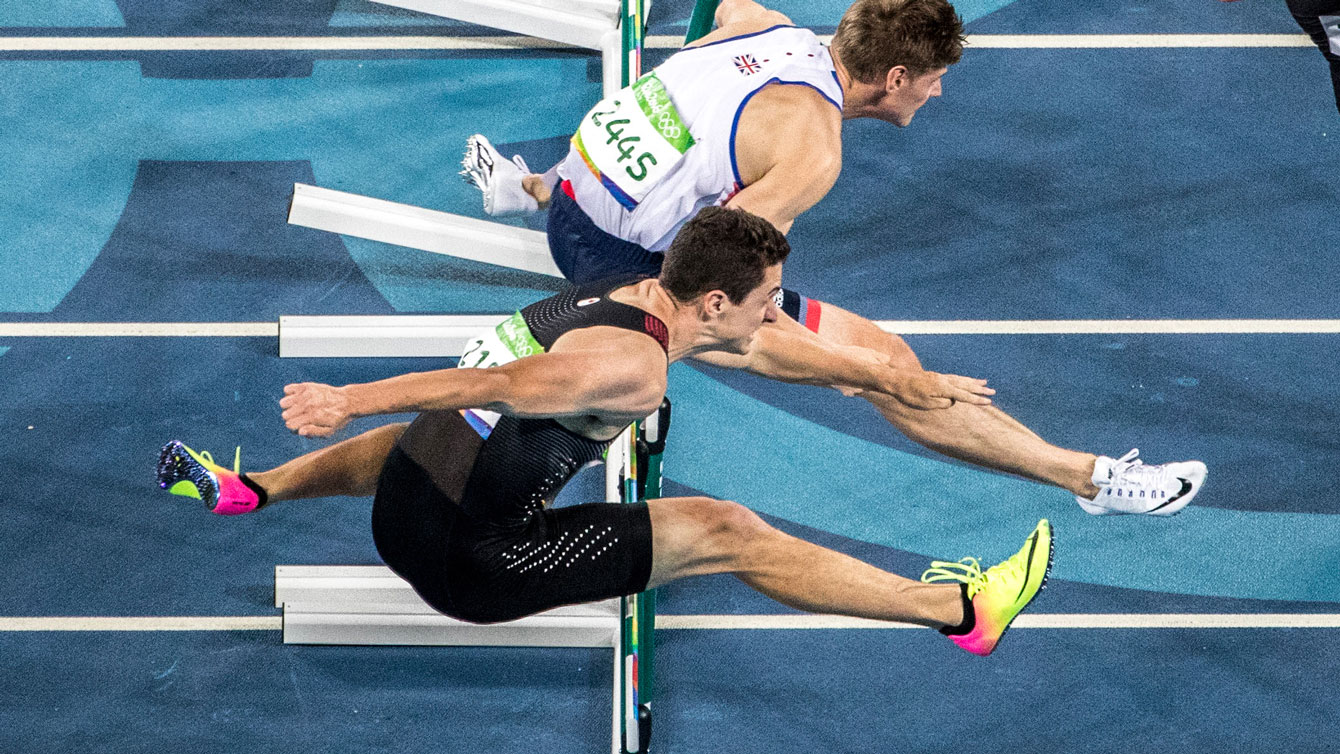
[[1108, 184]]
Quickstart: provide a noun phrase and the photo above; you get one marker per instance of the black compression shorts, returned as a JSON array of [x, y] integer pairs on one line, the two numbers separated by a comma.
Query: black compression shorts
[[464, 522]]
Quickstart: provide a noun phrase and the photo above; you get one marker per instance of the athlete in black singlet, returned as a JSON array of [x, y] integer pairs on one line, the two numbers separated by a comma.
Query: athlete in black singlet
[[462, 493], [466, 519]]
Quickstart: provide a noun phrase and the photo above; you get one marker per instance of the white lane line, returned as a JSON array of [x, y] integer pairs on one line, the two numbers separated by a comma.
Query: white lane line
[[662, 42], [1107, 41], [1038, 620], [1080, 621], [173, 623], [252, 44], [139, 329], [1112, 326], [908, 327]]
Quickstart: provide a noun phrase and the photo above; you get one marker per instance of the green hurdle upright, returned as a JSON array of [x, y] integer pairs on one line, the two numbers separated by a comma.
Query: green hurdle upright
[[700, 23], [642, 470], [637, 614]]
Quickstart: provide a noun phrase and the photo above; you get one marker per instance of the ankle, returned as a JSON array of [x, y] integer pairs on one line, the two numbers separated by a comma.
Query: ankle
[[536, 187], [258, 487], [969, 620], [1081, 478]]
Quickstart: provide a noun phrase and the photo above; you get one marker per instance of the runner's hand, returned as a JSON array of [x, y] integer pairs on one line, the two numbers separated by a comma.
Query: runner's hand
[[315, 410], [932, 390]]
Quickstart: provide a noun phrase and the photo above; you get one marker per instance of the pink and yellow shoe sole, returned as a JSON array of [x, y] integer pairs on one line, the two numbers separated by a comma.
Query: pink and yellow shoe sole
[[183, 472]]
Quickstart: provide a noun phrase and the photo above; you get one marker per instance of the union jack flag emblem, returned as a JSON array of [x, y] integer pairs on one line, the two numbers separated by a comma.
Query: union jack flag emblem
[[747, 64]]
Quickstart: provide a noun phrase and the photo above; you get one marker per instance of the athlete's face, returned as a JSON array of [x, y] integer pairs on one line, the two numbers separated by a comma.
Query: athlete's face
[[904, 94], [740, 322]]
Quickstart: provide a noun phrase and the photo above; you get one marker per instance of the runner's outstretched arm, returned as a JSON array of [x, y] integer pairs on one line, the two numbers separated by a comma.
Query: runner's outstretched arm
[[610, 382], [788, 352]]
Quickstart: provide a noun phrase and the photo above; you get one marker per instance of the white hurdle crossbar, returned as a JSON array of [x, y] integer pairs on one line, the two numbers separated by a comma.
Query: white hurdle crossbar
[[592, 24], [382, 336], [419, 228], [581, 23]]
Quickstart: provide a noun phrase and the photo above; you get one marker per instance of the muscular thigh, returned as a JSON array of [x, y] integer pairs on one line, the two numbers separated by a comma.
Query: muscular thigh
[[696, 536], [561, 556]]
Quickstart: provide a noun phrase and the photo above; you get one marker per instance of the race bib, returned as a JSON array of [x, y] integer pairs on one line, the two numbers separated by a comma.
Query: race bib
[[509, 341], [632, 139]]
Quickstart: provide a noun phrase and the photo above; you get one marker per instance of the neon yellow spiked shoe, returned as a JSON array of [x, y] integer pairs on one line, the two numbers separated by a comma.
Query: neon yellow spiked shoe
[[999, 594]]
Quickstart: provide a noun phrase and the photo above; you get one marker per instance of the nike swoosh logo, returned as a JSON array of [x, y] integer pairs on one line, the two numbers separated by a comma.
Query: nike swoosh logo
[[1032, 548], [1186, 487]]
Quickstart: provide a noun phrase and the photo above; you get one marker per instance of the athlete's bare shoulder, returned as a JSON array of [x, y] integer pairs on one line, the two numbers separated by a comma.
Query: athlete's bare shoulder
[[638, 352], [736, 18], [787, 121], [624, 370]]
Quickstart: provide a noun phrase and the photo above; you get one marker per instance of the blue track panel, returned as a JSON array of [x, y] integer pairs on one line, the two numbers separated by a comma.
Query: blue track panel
[[1044, 184], [1241, 403], [777, 691], [244, 692], [87, 532], [1136, 17], [1042, 691]]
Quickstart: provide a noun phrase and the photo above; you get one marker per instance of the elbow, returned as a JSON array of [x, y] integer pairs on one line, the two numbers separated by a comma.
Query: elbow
[[646, 401], [726, 12]]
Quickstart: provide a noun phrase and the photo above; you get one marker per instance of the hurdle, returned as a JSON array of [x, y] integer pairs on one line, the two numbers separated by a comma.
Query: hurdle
[[591, 24], [588, 24], [371, 606]]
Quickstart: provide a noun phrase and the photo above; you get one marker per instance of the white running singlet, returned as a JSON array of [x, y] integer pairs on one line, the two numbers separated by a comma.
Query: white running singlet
[[709, 86]]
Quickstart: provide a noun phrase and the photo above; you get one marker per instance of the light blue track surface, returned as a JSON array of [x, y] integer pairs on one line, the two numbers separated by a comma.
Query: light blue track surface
[[61, 13], [1045, 184]]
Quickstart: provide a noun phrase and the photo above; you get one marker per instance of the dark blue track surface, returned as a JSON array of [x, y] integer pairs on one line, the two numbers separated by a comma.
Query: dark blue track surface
[[1045, 184]]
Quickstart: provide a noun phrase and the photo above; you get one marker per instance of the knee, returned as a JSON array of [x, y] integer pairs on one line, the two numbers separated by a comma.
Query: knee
[[731, 525]]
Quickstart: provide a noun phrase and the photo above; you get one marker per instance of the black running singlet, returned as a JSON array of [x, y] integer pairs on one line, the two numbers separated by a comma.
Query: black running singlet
[[462, 512]]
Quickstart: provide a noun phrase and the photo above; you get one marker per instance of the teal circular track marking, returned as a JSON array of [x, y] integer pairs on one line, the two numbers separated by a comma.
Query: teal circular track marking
[[735, 447]]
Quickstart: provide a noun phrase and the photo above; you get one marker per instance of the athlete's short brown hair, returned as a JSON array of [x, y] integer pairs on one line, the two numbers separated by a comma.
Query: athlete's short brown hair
[[875, 36], [721, 249]]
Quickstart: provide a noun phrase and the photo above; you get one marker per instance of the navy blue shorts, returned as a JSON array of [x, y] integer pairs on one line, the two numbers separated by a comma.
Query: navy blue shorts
[[584, 253]]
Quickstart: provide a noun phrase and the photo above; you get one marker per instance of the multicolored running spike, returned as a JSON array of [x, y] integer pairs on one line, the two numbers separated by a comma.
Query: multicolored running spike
[[184, 472], [999, 594]]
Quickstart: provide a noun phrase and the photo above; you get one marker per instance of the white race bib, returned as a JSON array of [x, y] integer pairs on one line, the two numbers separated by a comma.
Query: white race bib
[[632, 139], [509, 341]]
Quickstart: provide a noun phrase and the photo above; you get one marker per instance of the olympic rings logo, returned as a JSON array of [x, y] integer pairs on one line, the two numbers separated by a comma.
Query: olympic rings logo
[[668, 126]]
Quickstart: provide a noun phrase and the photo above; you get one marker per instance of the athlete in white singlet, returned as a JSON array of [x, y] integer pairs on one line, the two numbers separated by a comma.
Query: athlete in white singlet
[[750, 117], [707, 174]]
